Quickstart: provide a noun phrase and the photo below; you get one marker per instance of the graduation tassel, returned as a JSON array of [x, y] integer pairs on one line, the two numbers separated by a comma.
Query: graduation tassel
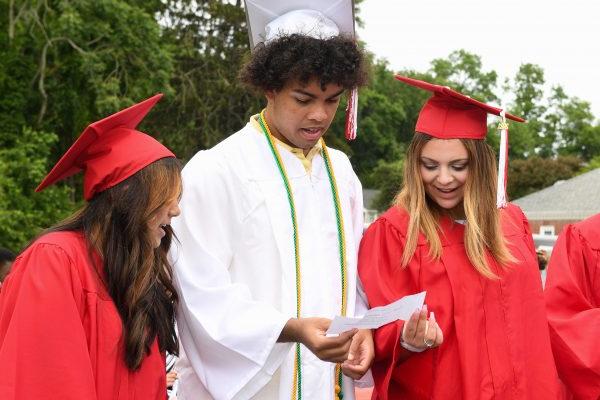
[[501, 200], [351, 114]]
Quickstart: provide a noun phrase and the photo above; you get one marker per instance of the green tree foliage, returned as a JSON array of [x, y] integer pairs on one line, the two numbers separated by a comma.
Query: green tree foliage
[[382, 117], [387, 114], [556, 124], [535, 173], [463, 71], [210, 43], [528, 90], [591, 165], [81, 60], [570, 121], [22, 167], [65, 64], [387, 177]]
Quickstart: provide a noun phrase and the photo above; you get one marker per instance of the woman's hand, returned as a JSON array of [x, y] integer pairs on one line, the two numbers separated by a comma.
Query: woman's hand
[[421, 333]]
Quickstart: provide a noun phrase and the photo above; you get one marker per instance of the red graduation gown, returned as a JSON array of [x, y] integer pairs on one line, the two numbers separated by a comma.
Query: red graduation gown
[[60, 333], [573, 306], [496, 342]]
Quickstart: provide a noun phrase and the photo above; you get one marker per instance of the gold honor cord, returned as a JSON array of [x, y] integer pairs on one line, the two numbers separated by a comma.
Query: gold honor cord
[[297, 380]]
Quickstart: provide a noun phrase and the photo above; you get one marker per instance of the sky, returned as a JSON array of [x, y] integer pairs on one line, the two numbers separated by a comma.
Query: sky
[[562, 37]]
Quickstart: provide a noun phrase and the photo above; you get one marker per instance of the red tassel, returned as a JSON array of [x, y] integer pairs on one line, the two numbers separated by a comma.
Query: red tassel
[[351, 114]]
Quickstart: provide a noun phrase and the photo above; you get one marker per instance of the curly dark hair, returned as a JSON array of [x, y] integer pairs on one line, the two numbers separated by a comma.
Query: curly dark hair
[[335, 60]]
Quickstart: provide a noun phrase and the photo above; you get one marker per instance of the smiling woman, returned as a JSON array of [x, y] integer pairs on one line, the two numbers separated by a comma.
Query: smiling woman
[[477, 263], [456, 177]]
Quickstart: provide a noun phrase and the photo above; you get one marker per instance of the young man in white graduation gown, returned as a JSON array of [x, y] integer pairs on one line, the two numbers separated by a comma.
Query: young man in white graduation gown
[[271, 221]]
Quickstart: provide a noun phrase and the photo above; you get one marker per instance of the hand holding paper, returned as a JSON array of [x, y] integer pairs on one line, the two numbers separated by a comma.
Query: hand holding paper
[[379, 316], [421, 332]]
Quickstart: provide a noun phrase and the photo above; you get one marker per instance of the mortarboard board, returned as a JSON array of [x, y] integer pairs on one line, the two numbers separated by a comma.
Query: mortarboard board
[[315, 18], [449, 114], [109, 151], [268, 19]]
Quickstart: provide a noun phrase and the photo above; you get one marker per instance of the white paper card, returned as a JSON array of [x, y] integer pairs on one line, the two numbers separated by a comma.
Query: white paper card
[[379, 316]]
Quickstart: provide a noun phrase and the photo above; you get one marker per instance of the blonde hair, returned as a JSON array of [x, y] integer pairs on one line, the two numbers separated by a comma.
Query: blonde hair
[[483, 232]]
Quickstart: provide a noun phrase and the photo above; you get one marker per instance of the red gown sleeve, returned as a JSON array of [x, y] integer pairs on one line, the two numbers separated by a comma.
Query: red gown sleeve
[[528, 234], [378, 261], [573, 313], [43, 347]]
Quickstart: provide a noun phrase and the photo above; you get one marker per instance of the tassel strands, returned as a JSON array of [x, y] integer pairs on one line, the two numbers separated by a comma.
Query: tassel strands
[[351, 114], [501, 198]]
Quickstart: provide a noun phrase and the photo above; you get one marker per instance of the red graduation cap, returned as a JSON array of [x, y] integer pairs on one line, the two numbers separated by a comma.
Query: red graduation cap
[[109, 151], [449, 114]]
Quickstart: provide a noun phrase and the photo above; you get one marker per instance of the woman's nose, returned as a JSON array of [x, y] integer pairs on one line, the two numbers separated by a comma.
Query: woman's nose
[[445, 177]]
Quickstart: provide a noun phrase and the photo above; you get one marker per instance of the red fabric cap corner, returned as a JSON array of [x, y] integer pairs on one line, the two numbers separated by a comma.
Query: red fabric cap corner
[[109, 151], [449, 114]]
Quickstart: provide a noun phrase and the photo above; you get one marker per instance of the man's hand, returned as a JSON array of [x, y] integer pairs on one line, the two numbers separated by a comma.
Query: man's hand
[[360, 357], [171, 378], [311, 333]]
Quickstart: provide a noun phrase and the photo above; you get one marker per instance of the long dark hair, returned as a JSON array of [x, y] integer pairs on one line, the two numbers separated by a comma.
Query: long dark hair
[[137, 275]]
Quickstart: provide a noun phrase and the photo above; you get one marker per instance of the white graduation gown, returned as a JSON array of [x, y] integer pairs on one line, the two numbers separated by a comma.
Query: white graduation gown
[[235, 272]]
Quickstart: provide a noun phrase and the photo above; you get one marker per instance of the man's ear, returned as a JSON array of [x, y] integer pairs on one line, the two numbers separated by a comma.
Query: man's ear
[[269, 95]]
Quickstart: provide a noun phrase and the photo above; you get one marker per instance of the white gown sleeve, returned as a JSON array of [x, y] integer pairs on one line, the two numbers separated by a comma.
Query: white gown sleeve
[[358, 222], [362, 304], [230, 339]]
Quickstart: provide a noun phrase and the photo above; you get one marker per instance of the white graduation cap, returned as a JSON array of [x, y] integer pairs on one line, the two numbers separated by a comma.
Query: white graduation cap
[[318, 18], [322, 19]]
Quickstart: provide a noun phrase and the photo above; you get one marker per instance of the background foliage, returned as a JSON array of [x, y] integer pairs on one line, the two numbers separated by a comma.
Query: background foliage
[[64, 64]]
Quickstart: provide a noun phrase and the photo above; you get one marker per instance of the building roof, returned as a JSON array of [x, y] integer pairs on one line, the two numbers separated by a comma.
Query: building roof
[[573, 199]]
